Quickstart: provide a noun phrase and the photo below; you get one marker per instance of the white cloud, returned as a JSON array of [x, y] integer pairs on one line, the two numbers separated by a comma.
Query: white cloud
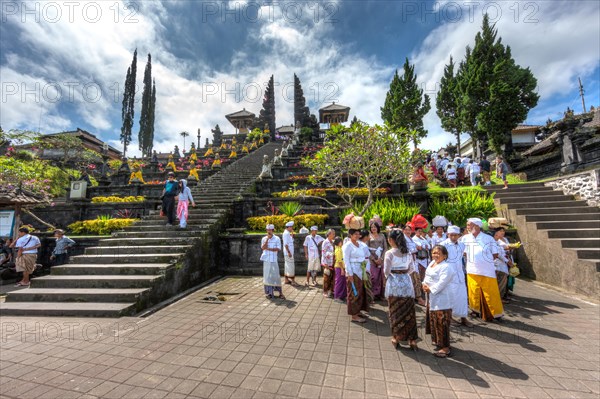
[[561, 46]]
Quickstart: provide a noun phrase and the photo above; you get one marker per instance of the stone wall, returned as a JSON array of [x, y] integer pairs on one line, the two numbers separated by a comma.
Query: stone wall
[[582, 185]]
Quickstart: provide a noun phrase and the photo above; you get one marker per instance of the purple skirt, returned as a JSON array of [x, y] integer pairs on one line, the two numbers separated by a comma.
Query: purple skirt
[[339, 291], [377, 280]]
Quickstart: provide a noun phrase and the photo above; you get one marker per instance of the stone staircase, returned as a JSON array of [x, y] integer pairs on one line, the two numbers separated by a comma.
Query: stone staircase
[[560, 235], [147, 262]]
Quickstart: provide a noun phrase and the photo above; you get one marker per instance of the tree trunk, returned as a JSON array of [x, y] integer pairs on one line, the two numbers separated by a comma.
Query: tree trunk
[[458, 144]]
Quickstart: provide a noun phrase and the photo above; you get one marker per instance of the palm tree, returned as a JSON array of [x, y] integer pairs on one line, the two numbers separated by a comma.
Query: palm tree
[[184, 135]]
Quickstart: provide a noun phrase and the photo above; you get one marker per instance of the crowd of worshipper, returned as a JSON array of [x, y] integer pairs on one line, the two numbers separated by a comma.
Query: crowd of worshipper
[[454, 273], [457, 171]]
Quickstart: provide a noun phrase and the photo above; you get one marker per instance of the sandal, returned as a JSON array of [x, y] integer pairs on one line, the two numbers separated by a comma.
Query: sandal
[[395, 343], [269, 296], [281, 297], [358, 321], [441, 354]]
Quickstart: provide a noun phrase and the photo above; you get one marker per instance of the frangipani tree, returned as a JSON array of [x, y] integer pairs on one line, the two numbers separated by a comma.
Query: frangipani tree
[[361, 156]]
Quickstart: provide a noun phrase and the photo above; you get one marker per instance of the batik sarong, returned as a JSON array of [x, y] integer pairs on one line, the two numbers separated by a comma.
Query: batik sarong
[[437, 323], [328, 280], [367, 282], [403, 320], [358, 301]]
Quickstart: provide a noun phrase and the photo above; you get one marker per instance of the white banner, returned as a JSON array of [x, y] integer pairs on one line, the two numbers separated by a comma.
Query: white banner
[[7, 223]]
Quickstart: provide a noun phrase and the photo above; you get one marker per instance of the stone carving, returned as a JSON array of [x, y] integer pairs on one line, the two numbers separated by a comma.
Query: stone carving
[[265, 173], [176, 152], [154, 157], [277, 158], [284, 149]]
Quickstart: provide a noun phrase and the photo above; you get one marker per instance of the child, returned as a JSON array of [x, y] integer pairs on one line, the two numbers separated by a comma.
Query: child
[[185, 196], [339, 291], [502, 171], [60, 254]]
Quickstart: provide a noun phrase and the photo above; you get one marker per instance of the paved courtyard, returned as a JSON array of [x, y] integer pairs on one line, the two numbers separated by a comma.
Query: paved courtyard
[[249, 347]]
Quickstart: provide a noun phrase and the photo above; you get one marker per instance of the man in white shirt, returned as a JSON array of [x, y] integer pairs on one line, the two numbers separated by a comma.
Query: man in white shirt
[[271, 245], [26, 255], [481, 250], [311, 253], [288, 254]]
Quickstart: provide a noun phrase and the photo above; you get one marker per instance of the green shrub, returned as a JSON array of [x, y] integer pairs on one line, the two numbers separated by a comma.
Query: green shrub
[[258, 223], [458, 206], [114, 198], [100, 226], [290, 208], [390, 210]]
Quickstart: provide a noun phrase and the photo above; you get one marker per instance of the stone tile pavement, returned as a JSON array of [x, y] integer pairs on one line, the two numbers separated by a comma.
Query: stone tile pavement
[[249, 347]]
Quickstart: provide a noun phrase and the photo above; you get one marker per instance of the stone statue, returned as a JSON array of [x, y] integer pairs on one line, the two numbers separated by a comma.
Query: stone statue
[[136, 174], [154, 157], [193, 171], [171, 164], [284, 149], [298, 127], [277, 158], [217, 162], [176, 152], [265, 173]]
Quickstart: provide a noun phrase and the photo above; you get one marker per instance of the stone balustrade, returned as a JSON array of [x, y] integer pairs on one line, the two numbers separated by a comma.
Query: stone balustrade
[[582, 185]]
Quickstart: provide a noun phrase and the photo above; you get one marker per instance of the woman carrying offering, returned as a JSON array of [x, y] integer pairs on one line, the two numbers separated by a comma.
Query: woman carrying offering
[[354, 257]]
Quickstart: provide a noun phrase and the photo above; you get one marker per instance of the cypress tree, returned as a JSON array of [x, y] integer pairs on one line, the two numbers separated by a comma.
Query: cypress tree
[[146, 134], [495, 93], [127, 112], [447, 103], [405, 106]]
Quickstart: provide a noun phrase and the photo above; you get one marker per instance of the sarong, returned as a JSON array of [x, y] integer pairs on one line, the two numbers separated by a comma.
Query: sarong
[[502, 279], [182, 212], [271, 278], [437, 323], [484, 296], [377, 280], [26, 263], [403, 320], [417, 284], [328, 281], [367, 282], [340, 285], [289, 269], [314, 265], [359, 302]]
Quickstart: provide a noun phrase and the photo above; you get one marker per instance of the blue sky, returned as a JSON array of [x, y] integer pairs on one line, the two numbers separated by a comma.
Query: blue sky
[[63, 66]]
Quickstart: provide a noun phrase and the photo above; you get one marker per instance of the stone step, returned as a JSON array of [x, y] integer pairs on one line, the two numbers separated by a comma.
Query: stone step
[[148, 269], [587, 242], [534, 200], [536, 193], [158, 233], [165, 229], [523, 185], [569, 225], [586, 253], [134, 249], [70, 309], [127, 295], [122, 258], [192, 213], [561, 217], [544, 204], [575, 233], [163, 240], [94, 281], [517, 190], [557, 210]]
